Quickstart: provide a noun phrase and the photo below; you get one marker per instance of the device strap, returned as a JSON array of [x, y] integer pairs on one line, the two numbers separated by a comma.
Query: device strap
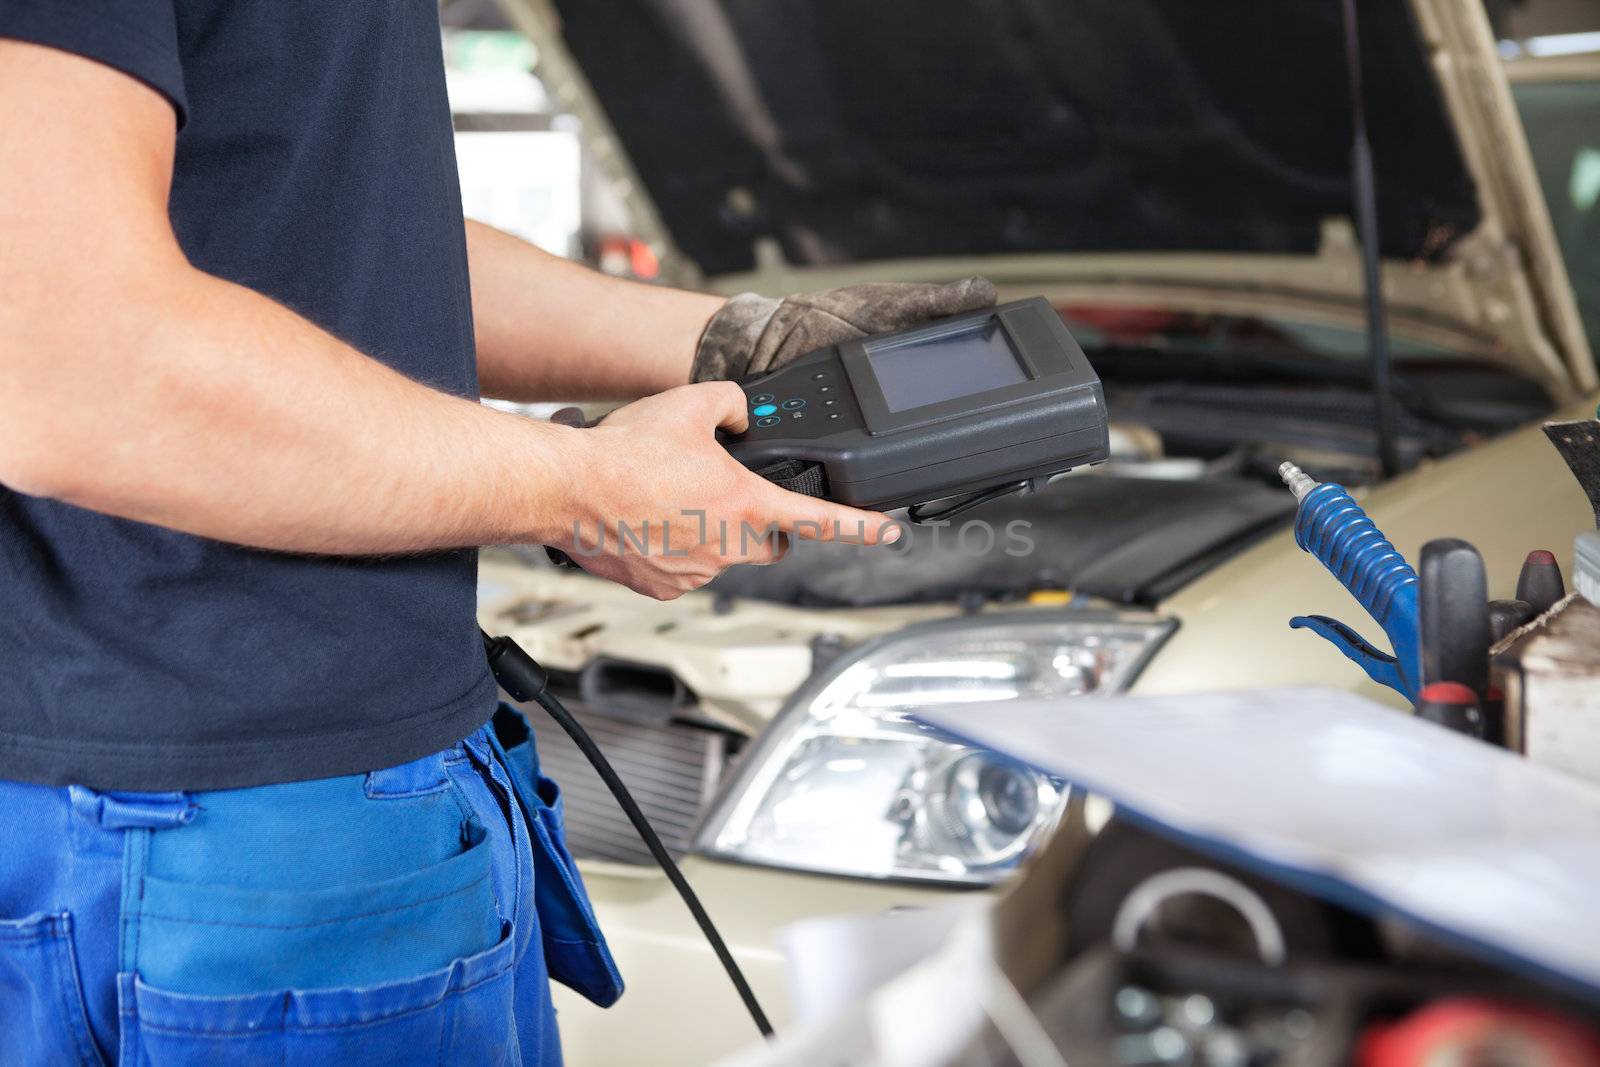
[[797, 476]]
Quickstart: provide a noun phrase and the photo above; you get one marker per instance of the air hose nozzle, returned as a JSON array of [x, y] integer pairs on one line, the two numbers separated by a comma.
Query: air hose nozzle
[[1299, 482]]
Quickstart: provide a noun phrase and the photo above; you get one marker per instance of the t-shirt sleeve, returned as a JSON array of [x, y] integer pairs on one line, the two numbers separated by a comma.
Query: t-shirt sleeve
[[137, 37]]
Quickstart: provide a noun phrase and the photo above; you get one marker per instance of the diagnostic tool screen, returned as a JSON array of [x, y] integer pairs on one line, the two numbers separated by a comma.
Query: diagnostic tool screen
[[914, 374]]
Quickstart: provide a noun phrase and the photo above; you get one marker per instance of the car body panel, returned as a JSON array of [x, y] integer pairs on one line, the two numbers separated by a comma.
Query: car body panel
[[1527, 288], [675, 985], [1558, 96], [1573, 67]]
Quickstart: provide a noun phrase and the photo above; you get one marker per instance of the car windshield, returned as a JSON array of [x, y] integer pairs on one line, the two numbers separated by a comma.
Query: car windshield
[[1560, 118]]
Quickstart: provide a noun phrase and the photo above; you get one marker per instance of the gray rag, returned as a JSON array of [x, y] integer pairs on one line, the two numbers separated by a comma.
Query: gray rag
[[752, 334]]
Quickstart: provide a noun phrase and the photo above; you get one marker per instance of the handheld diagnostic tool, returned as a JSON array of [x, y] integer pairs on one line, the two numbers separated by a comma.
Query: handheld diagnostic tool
[[969, 406]]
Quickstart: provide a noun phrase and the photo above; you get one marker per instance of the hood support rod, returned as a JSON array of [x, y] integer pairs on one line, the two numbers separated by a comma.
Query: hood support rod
[[1366, 212]]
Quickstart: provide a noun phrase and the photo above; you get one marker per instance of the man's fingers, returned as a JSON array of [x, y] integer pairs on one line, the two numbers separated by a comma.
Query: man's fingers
[[765, 550], [726, 403], [819, 520]]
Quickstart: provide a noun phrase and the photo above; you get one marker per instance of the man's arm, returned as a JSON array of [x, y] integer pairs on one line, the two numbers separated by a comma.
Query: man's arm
[[133, 384], [549, 329]]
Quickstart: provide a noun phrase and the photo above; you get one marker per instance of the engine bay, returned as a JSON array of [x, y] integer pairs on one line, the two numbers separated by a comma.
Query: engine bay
[[1203, 408]]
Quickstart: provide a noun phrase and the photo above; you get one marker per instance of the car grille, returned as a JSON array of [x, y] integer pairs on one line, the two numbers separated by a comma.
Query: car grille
[[671, 769]]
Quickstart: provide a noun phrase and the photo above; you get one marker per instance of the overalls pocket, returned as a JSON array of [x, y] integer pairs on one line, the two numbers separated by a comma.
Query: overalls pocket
[[352, 972], [457, 1014], [41, 1000], [574, 947]]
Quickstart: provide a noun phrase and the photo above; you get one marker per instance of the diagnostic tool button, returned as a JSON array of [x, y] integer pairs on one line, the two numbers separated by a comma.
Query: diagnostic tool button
[[794, 404], [770, 420], [762, 409]]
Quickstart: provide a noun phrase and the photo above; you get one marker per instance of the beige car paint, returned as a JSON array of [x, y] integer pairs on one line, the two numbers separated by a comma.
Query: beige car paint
[[679, 1008], [1501, 293], [1577, 67]]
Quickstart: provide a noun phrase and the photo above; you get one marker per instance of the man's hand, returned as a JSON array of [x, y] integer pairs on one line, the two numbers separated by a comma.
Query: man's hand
[[662, 508], [753, 334]]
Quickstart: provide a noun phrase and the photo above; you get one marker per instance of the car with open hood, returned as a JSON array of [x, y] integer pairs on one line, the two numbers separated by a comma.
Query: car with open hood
[[1174, 177]]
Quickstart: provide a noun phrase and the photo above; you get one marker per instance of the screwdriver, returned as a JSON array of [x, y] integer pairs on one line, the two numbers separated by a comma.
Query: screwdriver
[[1539, 582], [1453, 611]]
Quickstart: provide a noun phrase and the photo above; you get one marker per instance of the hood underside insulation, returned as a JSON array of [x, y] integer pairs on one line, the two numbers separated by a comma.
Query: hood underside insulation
[[866, 129]]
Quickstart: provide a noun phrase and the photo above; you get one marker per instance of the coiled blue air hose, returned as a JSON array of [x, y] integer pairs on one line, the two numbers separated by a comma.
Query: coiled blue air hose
[[1333, 528]]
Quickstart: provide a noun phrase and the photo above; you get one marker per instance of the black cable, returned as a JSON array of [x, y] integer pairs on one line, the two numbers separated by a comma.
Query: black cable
[[1366, 194], [918, 514], [520, 675]]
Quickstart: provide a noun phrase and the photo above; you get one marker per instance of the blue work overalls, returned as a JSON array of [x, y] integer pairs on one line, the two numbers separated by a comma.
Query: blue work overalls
[[411, 915]]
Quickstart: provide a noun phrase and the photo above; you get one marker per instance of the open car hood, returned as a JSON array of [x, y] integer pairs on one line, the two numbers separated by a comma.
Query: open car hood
[[1197, 151], [849, 131]]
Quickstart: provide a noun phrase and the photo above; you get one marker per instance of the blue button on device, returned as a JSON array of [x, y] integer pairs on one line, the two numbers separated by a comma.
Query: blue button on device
[[764, 409]]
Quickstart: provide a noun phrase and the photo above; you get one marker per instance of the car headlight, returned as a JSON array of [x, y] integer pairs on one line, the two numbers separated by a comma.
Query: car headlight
[[845, 781]]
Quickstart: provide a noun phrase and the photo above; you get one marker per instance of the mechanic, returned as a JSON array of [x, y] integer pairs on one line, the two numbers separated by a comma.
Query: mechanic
[[252, 806]]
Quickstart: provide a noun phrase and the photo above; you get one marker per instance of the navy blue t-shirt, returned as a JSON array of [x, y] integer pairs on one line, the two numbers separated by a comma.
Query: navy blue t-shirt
[[315, 164]]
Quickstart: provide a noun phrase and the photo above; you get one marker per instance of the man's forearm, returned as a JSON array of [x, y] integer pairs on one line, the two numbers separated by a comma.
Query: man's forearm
[[132, 383], [549, 329], [194, 403]]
